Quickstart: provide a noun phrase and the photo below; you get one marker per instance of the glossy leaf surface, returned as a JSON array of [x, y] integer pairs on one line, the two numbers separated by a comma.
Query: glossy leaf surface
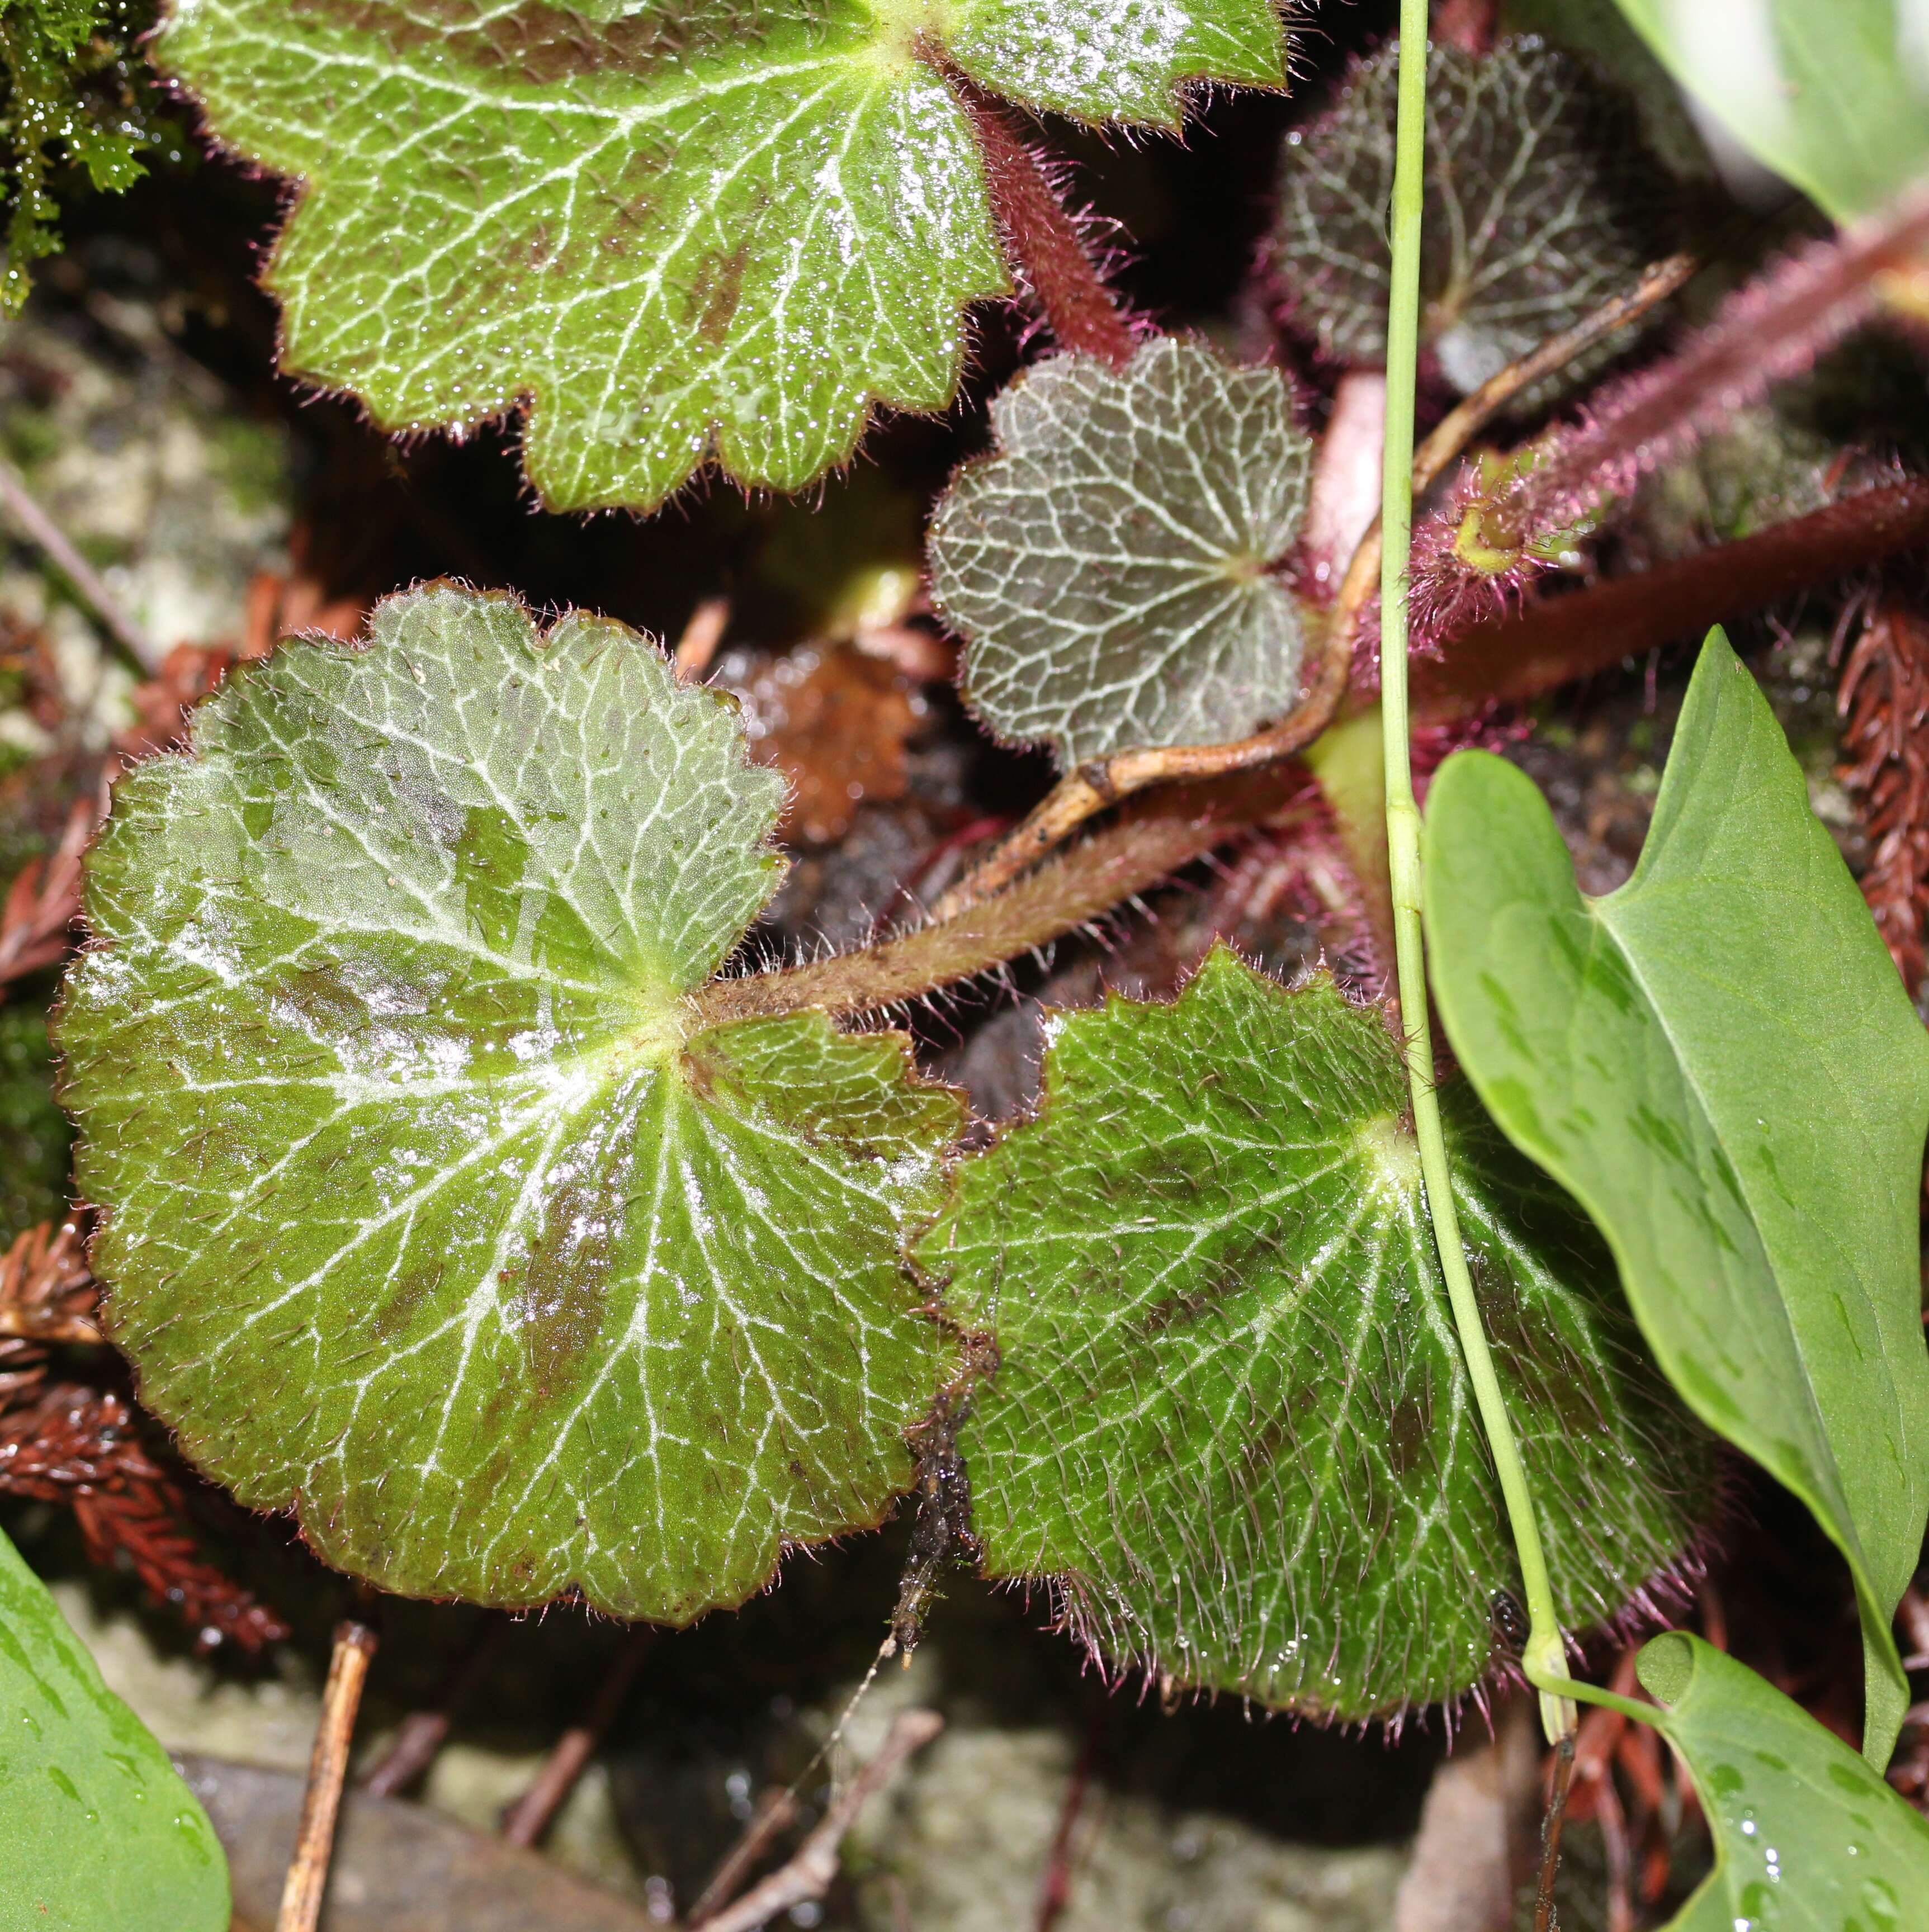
[[1832, 95], [1540, 204], [1108, 565], [677, 230], [1806, 1833], [1718, 1061], [101, 1835], [1230, 1416], [432, 1211]]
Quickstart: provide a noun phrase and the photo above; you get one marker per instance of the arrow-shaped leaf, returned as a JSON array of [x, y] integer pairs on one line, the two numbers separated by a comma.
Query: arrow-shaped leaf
[[1719, 1062], [101, 1835], [1833, 95], [433, 1210], [1806, 1833]]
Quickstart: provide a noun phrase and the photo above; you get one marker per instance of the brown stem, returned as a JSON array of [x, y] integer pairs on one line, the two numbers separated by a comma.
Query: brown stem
[[775, 1811], [809, 1875], [532, 1814], [1509, 659], [1151, 839], [1080, 794], [1041, 238], [327, 1766], [1460, 425], [43, 530], [1550, 1833], [423, 1733]]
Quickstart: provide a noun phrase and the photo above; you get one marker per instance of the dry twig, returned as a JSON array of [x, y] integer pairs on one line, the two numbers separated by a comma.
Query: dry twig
[[531, 1815], [327, 1767], [809, 1875], [41, 529], [775, 1811], [701, 636], [44, 899], [422, 1734]]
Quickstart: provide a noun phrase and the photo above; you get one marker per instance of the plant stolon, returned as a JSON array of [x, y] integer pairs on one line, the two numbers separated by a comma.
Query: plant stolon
[[1544, 1657]]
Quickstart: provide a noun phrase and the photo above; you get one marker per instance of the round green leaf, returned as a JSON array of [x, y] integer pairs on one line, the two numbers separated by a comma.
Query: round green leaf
[[674, 230], [432, 1211], [1229, 1416], [1109, 566]]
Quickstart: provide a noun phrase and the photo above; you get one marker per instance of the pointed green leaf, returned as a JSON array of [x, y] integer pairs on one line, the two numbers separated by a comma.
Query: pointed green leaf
[[1109, 566], [1540, 204], [1229, 1416], [1831, 94], [432, 1210], [100, 1834], [1718, 1061], [1806, 1834], [675, 230]]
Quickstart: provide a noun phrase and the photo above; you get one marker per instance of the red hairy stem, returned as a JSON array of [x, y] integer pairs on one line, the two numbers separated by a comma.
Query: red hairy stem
[[1508, 658], [1041, 237], [1472, 25], [1479, 549], [1884, 702], [1767, 332]]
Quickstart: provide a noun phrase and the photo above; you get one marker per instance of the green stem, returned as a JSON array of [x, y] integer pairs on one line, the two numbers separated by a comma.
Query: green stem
[[1545, 1658]]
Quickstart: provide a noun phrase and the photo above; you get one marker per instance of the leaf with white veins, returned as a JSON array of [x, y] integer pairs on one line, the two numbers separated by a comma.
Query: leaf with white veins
[[674, 230], [1109, 566], [1541, 202], [1230, 1416], [432, 1210]]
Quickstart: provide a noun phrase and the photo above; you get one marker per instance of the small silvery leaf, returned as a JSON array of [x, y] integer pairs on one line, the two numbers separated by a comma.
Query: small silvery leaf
[[1110, 566], [1541, 202]]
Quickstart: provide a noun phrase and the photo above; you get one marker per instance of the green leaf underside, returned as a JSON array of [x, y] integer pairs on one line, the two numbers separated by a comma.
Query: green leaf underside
[[1108, 566], [427, 1212], [1719, 1061], [1834, 97], [1230, 1416], [1540, 205], [101, 1835], [687, 230], [1806, 1834]]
